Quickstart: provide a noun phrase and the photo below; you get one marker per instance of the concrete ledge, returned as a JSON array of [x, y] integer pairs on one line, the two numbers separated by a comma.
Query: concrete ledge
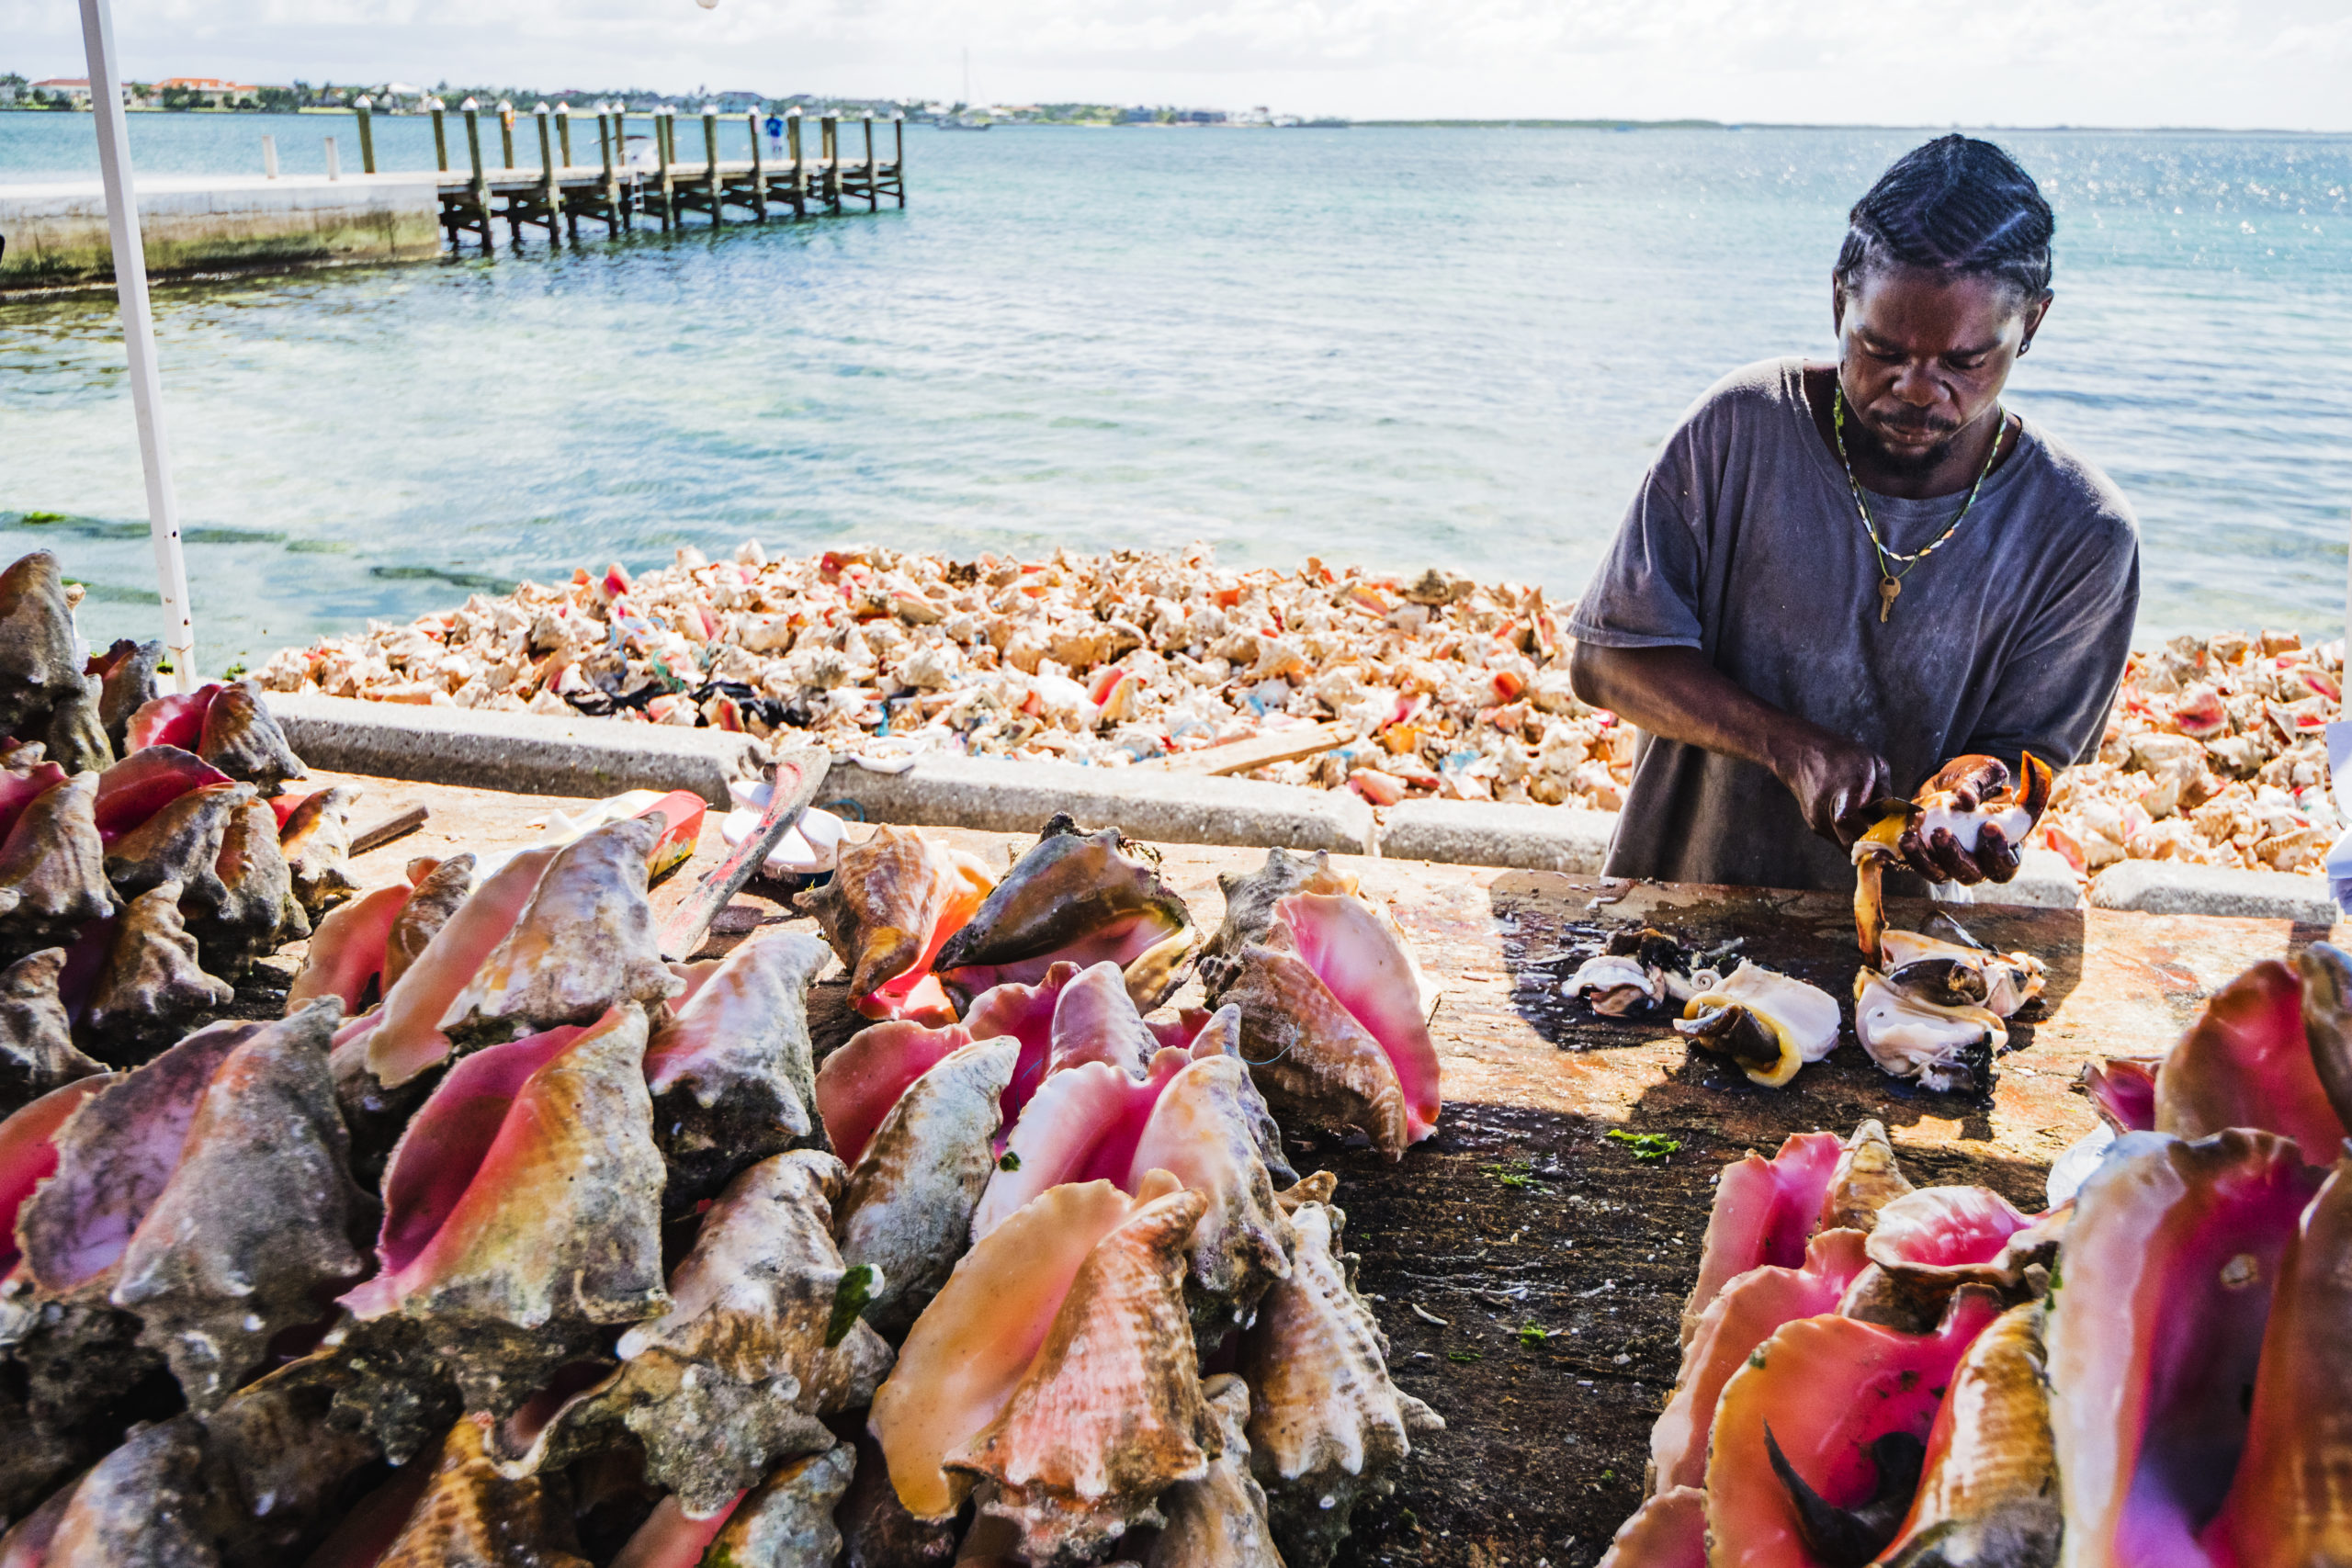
[[2167, 887], [57, 232], [2044, 881], [1474, 832], [526, 753], [1001, 795]]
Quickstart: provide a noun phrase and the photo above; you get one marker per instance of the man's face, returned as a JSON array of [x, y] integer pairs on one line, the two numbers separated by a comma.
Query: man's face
[[1922, 354]]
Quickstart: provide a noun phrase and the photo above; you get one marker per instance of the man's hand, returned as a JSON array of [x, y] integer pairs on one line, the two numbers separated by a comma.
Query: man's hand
[[1938, 857], [1834, 779]]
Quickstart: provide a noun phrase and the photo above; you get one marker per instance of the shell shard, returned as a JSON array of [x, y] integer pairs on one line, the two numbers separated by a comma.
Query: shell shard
[[472, 1516], [37, 1049], [584, 945], [1946, 1048], [152, 979], [1763, 1212], [347, 952], [52, 865], [38, 661], [1988, 1487], [1771, 1024], [522, 1208], [894, 902], [1327, 1426], [861, 1082], [2247, 1062], [316, 842], [907, 1207], [408, 1038], [1080, 897], [180, 842], [1109, 1415], [1250, 903], [730, 1072], [241, 740], [1218, 1521]]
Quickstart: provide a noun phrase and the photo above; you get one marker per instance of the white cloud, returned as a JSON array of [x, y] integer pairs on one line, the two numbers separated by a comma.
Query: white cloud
[[2242, 63]]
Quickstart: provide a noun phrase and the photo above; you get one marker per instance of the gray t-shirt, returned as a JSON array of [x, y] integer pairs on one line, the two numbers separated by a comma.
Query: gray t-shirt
[[1744, 543]]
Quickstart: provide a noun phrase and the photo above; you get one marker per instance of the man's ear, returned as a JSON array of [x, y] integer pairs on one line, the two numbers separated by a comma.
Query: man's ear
[[1837, 308], [2033, 316]]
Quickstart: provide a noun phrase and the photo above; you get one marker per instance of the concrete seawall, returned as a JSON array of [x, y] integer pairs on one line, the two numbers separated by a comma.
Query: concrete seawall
[[56, 233]]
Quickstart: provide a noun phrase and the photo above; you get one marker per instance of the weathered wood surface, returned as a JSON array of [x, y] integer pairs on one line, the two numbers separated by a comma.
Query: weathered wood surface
[[1557, 1260], [1241, 756]]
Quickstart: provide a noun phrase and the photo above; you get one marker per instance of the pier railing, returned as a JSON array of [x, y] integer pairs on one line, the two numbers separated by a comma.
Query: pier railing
[[621, 190]]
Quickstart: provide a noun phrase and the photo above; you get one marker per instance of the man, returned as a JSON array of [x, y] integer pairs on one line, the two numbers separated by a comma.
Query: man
[[1835, 578]]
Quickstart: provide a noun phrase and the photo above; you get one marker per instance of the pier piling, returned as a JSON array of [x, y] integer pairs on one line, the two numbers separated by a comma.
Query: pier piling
[[440, 139], [478, 191], [334, 163], [270, 157], [506, 132], [555, 186], [831, 144], [368, 135], [873, 170], [799, 166]]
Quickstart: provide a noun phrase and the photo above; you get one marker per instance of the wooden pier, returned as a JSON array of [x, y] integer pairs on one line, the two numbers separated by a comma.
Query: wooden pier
[[620, 191]]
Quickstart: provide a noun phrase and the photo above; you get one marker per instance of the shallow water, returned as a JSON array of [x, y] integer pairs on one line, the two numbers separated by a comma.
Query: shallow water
[[1392, 346]]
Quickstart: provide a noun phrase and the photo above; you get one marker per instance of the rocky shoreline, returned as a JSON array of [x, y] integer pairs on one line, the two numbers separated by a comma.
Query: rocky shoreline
[[1442, 688]]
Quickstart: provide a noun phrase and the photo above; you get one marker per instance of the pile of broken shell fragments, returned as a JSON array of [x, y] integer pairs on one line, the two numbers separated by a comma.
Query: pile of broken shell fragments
[[512, 1242]]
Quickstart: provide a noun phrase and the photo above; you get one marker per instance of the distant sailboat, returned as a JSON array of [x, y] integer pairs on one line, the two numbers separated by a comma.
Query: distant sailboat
[[966, 120]]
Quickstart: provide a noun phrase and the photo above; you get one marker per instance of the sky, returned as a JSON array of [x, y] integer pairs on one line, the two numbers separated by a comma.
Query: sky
[[2241, 64]]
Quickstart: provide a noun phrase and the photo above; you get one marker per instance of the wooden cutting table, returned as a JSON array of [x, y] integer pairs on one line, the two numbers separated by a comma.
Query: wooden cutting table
[[1529, 1271]]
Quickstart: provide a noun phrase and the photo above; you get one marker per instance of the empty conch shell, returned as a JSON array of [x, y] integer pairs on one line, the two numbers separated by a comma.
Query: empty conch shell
[[1764, 1211], [243, 741], [907, 1209], [731, 1071], [38, 661], [1865, 1180], [1218, 1521], [1250, 903], [1327, 1427], [522, 1208], [151, 981], [731, 1379], [37, 1049], [258, 908], [1988, 1488], [145, 782], [1946, 1048], [345, 959], [25, 782], [126, 683], [860, 1082], [1668, 1530], [969, 1350], [52, 865], [584, 943], [2170, 1269], [471, 1515], [316, 842], [76, 738], [786, 1521], [1024, 1012], [1966, 795], [877, 1530], [1956, 973], [1770, 1023], [2248, 1061], [407, 1037], [894, 902], [1746, 1313], [1080, 897], [1929, 1243], [180, 842], [2326, 974], [441, 885]]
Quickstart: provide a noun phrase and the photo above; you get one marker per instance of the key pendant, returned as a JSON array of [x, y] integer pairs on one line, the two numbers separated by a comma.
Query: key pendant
[[1888, 588]]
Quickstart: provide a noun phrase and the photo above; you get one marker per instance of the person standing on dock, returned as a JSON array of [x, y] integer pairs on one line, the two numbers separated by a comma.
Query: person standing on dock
[[1836, 577]]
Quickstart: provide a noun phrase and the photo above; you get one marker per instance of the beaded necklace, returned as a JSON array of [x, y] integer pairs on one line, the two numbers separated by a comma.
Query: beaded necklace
[[1890, 581]]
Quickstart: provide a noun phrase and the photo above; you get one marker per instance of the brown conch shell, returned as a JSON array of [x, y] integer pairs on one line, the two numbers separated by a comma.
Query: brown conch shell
[[244, 741], [731, 1379], [75, 739], [1327, 1427], [787, 1519], [1988, 1488], [258, 908], [895, 900], [37, 1049], [1866, 1179], [1109, 1415], [53, 867], [522, 1212], [37, 659], [440, 887], [584, 943], [1218, 1521], [907, 1208], [180, 844], [126, 684], [732, 1072], [1250, 903], [1203, 1132], [405, 1037], [472, 1516], [151, 980], [316, 842], [877, 1530]]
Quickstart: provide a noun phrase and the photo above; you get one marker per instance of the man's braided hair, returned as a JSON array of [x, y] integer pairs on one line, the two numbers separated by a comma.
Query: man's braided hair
[[1956, 205]]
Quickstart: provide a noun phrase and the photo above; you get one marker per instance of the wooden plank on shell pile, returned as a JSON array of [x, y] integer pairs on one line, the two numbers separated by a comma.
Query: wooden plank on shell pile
[[1258, 751]]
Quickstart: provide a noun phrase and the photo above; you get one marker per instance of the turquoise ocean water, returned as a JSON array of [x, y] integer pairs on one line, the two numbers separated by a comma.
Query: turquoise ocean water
[[1386, 346]]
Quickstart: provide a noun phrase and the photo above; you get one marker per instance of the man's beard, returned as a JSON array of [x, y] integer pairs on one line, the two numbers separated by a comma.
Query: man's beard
[[1907, 462]]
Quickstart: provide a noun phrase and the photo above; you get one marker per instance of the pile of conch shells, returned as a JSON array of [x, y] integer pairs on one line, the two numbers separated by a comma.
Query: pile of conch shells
[[2151, 1370], [150, 849], [513, 1244]]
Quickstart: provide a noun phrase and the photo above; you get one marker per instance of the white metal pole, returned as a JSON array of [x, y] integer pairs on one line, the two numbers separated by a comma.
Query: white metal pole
[[138, 338]]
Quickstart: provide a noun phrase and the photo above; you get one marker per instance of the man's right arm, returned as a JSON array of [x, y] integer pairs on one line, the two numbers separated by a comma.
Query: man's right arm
[[1675, 693]]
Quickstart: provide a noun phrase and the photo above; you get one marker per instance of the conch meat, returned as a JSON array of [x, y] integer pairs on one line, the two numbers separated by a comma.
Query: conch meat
[[1966, 797], [1770, 1024], [1947, 1046], [894, 903]]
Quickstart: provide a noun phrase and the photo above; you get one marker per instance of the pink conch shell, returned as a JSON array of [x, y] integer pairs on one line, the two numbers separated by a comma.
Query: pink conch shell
[[37, 1049], [2156, 1332], [175, 719], [407, 1038], [1946, 1227], [2326, 973], [441, 888], [2122, 1089], [1327, 1426], [1204, 1133], [522, 1208], [1763, 1212], [144, 783], [968, 1351], [346, 954], [1110, 1414], [787, 1520], [2246, 1063], [731, 1379], [1988, 1482], [1745, 1314], [152, 979], [584, 945], [19, 787], [258, 908], [1866, 1179], [471, 1517], [316, 841], [2291, 1501], [859, 1083], [28, 1151], [1096, 1021], [1669, 1530], [1218, 1521], [894, 901], [1083, 1126], [907, 1206], [243, 741], [180, 844], [1828, 1388], [730, 1072], [1357, 951], [52, 872], [1025, 1013], [1250, 901]]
